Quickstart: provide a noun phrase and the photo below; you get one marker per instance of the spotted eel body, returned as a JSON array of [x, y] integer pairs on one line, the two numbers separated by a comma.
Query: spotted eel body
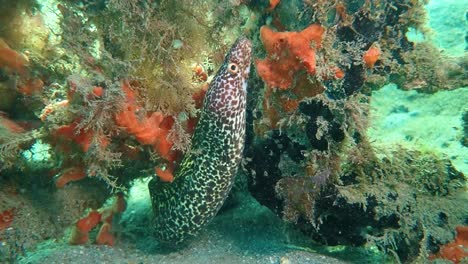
[[206, 173]]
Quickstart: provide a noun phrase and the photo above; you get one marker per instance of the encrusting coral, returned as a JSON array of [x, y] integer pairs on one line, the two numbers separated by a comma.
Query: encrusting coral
[[311, 132]]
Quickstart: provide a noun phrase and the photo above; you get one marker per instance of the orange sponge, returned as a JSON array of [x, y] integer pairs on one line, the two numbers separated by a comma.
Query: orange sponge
[[455, 251], [105, 237], [11, 59], [71, 174], [82, 137], [89, 222], [78, 237], [273, 4], [152, 129], [165, 175], [371, 56], [288, 52], [80, 231]]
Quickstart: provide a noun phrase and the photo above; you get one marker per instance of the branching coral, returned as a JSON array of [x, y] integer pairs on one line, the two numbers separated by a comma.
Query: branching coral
[[13, 139]]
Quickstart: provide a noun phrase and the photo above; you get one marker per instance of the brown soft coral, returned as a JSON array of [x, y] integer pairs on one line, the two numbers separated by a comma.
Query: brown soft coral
[[288, 52]]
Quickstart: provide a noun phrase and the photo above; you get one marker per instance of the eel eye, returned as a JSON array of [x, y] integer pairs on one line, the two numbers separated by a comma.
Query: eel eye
[[233, 68]]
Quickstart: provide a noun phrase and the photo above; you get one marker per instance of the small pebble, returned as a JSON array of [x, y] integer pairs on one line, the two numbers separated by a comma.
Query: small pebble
[[177, 44], [284, 260]]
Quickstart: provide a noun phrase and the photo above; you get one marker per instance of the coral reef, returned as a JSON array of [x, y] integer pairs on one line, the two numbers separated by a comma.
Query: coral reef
[[103, 90], [95, 94], [88, 107], [309, 147]]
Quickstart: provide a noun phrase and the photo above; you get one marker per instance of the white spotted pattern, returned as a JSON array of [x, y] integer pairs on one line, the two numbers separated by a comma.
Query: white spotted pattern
[[206, 174]]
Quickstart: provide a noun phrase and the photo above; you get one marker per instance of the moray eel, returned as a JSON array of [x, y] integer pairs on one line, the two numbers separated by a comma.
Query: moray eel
[[206, 174]]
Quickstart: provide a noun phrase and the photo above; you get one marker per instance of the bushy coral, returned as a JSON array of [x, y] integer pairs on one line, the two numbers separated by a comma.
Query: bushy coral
[[426, 69]]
